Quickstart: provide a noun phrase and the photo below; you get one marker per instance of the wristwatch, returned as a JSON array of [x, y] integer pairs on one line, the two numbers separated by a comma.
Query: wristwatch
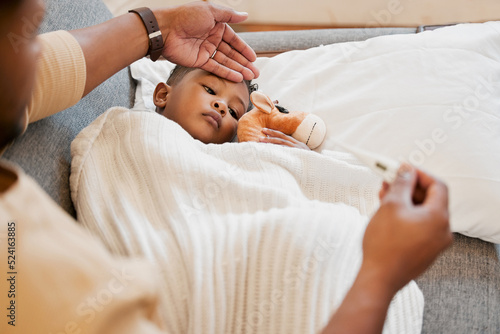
[[154, 32]]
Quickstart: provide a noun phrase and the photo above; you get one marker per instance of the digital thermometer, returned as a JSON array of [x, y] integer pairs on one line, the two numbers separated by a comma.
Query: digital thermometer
[[386, 167]]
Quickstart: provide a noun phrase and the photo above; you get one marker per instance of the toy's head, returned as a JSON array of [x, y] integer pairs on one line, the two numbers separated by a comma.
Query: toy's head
[[305, 127]]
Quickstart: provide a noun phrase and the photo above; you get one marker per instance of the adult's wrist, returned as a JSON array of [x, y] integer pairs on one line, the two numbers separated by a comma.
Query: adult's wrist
[[365, 305], [163, 16], [155, 38], [382, 279]]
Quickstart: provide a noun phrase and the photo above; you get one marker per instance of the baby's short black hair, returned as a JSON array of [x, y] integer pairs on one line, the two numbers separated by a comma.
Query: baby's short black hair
[[180, 72]]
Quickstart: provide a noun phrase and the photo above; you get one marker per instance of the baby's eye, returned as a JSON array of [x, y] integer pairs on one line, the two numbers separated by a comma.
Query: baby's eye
[[233, 113], [209, 90]]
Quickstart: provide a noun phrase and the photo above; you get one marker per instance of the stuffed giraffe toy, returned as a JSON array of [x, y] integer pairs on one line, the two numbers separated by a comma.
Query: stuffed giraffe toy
[[305, 127]]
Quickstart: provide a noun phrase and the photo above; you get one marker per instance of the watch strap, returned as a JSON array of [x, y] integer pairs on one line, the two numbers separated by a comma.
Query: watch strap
[[153, 29]]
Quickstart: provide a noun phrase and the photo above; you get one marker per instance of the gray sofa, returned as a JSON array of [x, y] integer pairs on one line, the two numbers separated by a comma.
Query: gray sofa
[[462, 288]]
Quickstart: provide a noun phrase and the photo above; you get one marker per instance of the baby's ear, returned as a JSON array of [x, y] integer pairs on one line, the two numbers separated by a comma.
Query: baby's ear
[[160, 95], [262, 102]]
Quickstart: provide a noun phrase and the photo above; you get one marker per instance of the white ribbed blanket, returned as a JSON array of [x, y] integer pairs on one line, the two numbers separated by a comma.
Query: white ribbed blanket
[[248, 238]]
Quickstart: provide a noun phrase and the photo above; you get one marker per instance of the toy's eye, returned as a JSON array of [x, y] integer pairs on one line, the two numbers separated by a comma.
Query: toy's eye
[[209, 90], [281, 109]]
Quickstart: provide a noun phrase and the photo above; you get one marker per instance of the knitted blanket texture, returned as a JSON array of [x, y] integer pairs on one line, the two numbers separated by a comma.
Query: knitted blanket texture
[[246, 237]]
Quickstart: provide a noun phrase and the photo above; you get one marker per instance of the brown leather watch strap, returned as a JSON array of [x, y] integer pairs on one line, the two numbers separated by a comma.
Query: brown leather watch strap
[[154, 33]]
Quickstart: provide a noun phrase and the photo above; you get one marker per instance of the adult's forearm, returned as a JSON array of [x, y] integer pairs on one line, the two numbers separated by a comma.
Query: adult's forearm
[[365, 306], [191, 33], [111, 46]]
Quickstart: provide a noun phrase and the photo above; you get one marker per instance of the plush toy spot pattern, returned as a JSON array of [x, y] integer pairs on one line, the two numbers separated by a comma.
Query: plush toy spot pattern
[[305, 127]]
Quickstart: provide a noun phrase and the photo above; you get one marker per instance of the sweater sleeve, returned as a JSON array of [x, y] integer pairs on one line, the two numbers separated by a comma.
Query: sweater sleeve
[[61, 75]]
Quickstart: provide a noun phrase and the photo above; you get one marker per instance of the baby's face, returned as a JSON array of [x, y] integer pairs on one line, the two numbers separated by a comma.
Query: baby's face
[[206, 106]]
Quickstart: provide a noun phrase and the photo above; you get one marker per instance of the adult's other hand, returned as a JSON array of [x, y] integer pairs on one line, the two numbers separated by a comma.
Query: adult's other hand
[[410, 228], [403, 238]]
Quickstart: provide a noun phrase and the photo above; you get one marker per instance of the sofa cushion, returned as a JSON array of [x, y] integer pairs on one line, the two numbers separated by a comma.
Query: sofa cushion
[[462, 289], [304, 39]]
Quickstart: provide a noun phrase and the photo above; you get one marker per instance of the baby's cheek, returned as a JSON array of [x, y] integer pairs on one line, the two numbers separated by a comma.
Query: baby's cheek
[[231, 132]]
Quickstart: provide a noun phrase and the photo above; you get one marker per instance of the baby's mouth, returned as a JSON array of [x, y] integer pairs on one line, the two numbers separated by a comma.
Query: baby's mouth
[[213, 118]]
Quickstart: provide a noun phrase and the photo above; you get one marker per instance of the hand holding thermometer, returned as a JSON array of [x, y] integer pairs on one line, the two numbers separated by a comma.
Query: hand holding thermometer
[[387, 168]]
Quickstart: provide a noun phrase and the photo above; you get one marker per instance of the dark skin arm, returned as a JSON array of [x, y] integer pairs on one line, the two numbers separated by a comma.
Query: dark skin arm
[[401, 241], [191, 34]]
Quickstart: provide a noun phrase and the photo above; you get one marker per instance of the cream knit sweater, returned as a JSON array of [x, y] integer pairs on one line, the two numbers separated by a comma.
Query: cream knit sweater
[[64, 279]]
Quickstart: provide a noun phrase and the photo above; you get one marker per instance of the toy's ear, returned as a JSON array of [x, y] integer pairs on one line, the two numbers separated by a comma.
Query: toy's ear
[[262, 102]]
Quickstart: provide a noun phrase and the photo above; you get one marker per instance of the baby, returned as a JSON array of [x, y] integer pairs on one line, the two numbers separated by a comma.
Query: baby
[[205, 105], [209, 107]]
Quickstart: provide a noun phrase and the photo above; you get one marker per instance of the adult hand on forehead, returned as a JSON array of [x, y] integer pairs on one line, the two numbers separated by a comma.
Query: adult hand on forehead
[[193, 32]]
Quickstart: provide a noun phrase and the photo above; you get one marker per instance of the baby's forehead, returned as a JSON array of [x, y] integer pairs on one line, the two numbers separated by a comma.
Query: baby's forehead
[[199, 73]]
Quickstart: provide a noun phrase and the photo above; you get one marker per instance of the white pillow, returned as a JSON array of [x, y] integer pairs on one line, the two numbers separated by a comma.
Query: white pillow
[[147, 75], [432, 99]]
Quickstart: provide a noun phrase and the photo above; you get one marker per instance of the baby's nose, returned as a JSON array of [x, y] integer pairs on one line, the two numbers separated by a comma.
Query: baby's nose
[[220, 107]]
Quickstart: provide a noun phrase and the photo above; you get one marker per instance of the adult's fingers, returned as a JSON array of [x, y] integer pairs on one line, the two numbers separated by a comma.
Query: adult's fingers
[[383, 190], [224, 72], [402, 187], [231, 58], [425, 179], [436, 203], [226, 14], [227, 61], [436, 191], [233, 40]]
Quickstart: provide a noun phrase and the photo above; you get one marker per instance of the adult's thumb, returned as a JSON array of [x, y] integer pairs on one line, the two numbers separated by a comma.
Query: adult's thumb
[[228, 15], [404, 184]]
